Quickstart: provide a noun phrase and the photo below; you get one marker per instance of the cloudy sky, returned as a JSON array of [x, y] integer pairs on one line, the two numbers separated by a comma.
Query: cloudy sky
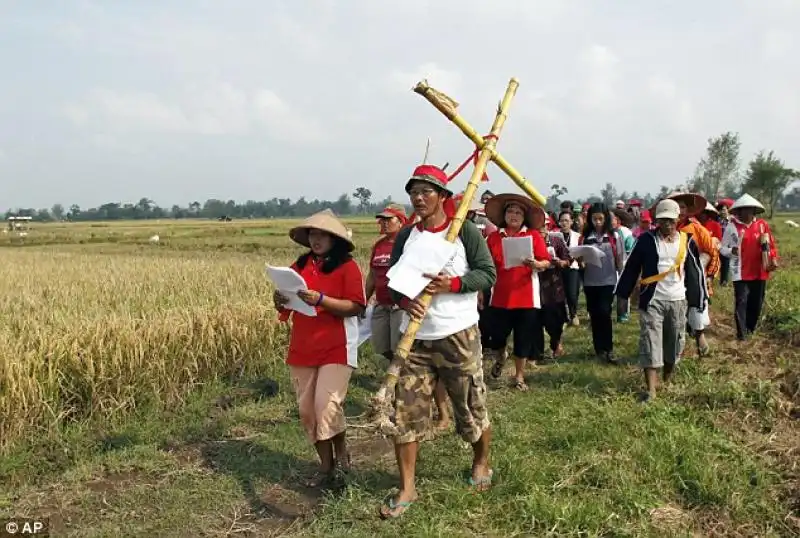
[[180, 100]]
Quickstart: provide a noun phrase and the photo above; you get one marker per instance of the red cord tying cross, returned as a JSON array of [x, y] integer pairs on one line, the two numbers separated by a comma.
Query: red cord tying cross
[[474, 159]]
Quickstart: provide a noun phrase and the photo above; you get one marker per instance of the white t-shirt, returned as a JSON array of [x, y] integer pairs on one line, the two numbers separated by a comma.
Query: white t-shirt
[[672, 287], [448, 313]]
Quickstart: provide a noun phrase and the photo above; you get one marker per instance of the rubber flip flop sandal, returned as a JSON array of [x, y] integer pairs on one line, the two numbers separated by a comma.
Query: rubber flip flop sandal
[[483, 483], [393, 510]]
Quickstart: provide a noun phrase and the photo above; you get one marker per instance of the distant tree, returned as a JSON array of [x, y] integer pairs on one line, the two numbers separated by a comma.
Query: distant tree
[[342, 206], [57, 211], [609, 194], [791, 199], [767, 178], [363, 195], [718, 172], [143, 206], [556, 192]]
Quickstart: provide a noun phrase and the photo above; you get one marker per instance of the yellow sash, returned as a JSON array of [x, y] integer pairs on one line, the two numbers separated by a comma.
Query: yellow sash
[[676, 267]]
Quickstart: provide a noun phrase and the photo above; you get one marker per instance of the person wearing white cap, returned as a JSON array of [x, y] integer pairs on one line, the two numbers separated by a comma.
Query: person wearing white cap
[[619, 204], [672, 281], [749, 243]]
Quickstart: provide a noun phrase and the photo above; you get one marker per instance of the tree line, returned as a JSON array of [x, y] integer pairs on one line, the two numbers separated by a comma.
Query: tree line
[[718, 174]]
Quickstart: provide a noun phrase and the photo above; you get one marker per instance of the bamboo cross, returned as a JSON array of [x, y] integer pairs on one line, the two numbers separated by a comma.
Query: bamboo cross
[[487, 151], [449, 108]]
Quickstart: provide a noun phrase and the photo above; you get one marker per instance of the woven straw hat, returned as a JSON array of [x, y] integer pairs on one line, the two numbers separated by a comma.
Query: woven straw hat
[[326, 221], [495, 208], [695, 204], [747, 201]]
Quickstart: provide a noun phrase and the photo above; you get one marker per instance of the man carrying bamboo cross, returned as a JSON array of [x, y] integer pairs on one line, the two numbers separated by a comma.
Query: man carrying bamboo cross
[[447, 349]]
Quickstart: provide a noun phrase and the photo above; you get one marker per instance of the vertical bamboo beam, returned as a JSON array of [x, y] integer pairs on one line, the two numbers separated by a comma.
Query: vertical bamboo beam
[[404, 346]]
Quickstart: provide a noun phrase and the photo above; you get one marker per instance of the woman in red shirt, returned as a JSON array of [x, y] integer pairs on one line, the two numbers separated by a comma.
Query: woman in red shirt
[[516, 299], [323, 349]]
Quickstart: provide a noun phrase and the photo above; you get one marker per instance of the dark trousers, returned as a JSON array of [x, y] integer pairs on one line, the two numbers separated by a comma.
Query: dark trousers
[[483, 321], [599, 300], [523, 323], [749, 300], [724, 269], [572, 289], [551, 320]]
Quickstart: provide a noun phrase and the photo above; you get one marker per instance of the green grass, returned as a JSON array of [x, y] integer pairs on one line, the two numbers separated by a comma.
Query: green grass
[[574, 456]]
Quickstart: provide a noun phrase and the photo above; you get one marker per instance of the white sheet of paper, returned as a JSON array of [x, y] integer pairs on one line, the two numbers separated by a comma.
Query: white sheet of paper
[[516, 250], [365, 326], [590, 254], [428, 253], [288, 283]]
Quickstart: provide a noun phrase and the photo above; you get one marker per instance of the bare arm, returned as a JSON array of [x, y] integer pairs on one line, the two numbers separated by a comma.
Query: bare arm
[[369, 286], [343, 308]]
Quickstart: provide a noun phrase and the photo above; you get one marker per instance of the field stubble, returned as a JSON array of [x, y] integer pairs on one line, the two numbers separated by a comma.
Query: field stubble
[[101, 326]]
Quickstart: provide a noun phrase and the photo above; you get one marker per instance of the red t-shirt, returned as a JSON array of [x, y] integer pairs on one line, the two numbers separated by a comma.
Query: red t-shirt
[[750, 248], [327, 339], [379, 264], [517, 287]]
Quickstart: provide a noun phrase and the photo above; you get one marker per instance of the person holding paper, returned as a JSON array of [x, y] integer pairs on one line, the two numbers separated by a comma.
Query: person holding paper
[[599, 281], [386, 316], [553, 314], [571, 275], [723, 211], [323, 349], [622, 221], [516, 299], [447, 350], [750, 245], [672, 280]]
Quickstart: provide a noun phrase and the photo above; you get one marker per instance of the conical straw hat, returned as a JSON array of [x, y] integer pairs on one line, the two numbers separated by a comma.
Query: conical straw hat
[[710, 208], [747, 201], [326, 221]]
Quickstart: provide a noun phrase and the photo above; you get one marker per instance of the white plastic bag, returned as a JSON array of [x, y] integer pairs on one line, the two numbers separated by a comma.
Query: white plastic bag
[[698, 320]]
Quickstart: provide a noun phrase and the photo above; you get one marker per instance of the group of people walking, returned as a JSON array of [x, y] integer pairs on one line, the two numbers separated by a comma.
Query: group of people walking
[[668, 255]]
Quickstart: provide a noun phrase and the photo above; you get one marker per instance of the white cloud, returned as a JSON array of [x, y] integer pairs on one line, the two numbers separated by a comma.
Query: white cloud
[[777, 44], [601, 68], [284, 122], [608, 92], [676, 110], [219, 110]]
